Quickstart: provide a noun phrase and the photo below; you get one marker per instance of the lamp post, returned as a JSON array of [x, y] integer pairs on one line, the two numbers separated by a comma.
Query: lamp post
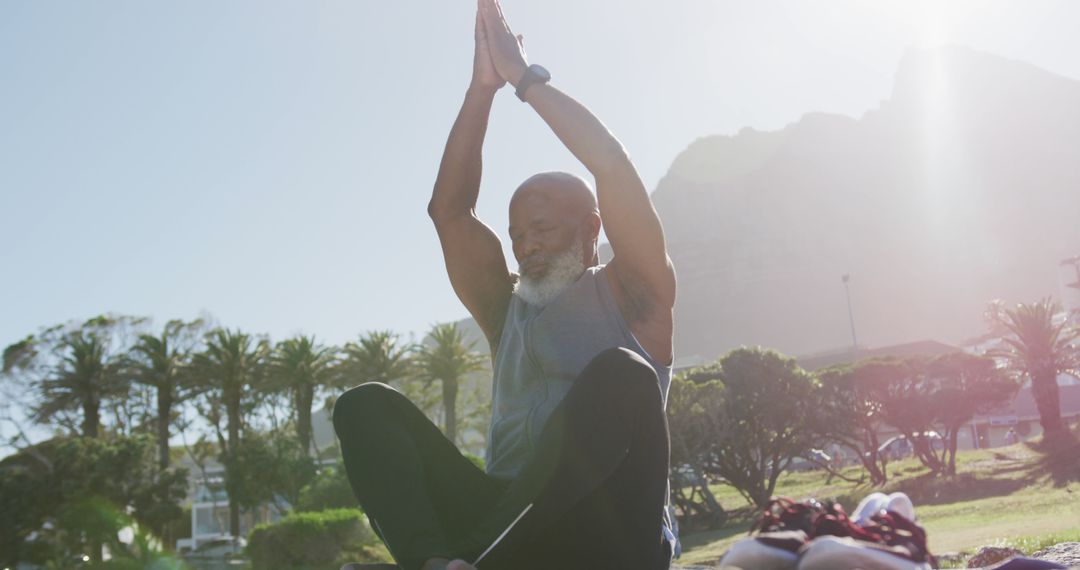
[[851, 319]]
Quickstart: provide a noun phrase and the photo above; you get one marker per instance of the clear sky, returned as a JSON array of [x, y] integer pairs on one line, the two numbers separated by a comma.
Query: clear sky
[[270, 162]]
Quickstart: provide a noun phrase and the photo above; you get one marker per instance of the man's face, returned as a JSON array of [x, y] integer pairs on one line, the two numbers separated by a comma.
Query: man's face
[[548, 242], [541, 228]]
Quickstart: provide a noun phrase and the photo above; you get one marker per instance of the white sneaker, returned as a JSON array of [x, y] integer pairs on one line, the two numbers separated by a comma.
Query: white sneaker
[[901, 504], [876, 503], [873, 504], [843, 553]]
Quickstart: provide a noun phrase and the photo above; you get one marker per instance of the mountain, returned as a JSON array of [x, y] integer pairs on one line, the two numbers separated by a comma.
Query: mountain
[[962, 187]]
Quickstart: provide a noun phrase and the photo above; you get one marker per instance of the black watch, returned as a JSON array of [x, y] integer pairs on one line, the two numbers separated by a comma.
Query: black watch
[[533, 74]]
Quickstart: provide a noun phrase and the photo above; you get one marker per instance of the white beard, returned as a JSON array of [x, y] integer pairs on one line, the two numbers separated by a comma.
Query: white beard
[[563, 270]]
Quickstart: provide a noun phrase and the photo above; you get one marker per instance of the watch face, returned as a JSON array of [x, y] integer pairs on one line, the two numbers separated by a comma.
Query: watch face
[[541, 72]]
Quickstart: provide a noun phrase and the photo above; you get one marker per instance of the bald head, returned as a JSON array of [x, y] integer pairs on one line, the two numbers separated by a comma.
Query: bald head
[[568, 192], [550, 213]]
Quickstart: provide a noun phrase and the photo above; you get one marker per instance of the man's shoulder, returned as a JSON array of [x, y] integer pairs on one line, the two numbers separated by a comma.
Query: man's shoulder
[[650, 319]]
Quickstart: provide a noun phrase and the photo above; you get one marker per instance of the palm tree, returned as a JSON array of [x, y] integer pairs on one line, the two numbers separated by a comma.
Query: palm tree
[[380, 356], [448, 359], [85, 377], [228, 368], [1040, 349], [301, 366], [377, 357], [163, 362]]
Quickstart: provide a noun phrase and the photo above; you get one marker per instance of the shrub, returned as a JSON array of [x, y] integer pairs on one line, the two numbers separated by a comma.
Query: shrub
[[328, 490], [312, 541]]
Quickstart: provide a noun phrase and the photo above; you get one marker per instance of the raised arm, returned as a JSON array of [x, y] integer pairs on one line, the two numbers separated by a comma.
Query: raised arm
[[641, 263], [473, 253]]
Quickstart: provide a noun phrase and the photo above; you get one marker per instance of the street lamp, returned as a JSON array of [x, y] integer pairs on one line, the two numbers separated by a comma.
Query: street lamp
[[851, 318]]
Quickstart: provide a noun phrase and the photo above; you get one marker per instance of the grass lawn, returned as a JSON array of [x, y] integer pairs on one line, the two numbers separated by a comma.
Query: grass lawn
[[1006, 496]]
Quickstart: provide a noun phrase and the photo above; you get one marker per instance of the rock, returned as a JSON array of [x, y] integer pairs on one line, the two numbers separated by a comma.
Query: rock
[[1065, 553], [990, 555], [951, 559]]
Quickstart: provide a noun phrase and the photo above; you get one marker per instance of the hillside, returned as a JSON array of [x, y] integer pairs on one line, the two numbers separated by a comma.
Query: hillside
[[963, 186]]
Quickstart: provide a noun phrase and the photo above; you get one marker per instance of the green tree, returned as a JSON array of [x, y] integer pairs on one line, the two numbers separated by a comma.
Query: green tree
[[273, 468], [919, 395], [1039, 349], [856, 417], [230, 370], [766, 411], [448, 359], [301, 367], [164, 363], [906, 395], [376, 356], [70, 495], [86, 377], [693, 410], [380, 356], [966, 385], [74, 371]]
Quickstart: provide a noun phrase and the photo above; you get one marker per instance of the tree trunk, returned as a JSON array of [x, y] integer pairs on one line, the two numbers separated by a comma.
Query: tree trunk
[[874, 463], [951, 449], [164, 410], [766, 490], [233, 410], [716, 513], [1044, 389], [304, 398], [700, 508], [449, 391], [874, 467], [96, 551], [164, 420], [924, 450], [91, 419]]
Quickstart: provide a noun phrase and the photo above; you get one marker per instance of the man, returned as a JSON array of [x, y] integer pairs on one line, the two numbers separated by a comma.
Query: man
[[577, 454]]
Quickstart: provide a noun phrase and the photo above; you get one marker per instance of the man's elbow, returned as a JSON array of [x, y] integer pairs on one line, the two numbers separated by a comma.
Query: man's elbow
[[437, 211], [441, 213], [433, 210]]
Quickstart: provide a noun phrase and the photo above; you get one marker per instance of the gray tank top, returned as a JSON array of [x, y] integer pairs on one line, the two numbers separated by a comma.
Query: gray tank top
[[541, 351]]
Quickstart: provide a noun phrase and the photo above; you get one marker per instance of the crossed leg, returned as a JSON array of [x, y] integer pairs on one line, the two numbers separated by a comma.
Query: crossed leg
[[591, 496]]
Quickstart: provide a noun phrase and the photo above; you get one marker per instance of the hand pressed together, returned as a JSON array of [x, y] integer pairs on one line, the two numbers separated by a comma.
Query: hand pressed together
[[507, 53], [484, 73]]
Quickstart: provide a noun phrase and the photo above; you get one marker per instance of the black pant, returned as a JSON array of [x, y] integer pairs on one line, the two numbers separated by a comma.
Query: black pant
[[596, 481]]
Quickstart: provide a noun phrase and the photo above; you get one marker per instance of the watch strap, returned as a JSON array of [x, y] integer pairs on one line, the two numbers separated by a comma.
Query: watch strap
[[533, 74]]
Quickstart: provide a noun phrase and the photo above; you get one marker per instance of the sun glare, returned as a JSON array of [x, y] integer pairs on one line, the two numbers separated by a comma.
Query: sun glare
[[930, 25], [926, 22]]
